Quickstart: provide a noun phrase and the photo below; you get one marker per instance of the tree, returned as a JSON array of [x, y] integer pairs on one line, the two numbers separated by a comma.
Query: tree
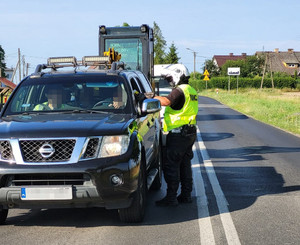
[[124, 24], [254, 66], [2, 64], [211, 67], [159, 45], [172, 56], [249, 67]]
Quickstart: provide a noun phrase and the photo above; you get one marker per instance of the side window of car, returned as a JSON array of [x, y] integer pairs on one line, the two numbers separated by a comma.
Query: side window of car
[[135, 85], [140, 84], [145, 83]]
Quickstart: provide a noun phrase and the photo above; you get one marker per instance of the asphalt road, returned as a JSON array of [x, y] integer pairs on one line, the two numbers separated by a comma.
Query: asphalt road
[[246, 191]]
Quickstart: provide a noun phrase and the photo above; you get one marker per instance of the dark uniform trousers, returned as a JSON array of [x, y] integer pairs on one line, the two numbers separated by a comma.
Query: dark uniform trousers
[[177, 167]]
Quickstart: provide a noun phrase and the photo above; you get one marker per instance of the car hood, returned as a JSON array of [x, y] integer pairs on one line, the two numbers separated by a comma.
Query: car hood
[[64, 125]]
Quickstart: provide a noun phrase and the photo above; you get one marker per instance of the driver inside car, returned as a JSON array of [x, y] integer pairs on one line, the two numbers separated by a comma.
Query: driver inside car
[[119, 97], [55, 101]]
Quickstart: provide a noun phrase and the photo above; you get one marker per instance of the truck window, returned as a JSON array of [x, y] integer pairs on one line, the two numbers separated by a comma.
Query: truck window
[[130, 50]]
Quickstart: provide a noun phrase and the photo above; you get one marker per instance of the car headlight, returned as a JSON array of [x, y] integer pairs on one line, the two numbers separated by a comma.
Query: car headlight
[[114, 145]]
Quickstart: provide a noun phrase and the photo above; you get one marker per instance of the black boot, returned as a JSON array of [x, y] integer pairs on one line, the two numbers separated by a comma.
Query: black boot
[[167, 201], [171, 198], [184, 198]]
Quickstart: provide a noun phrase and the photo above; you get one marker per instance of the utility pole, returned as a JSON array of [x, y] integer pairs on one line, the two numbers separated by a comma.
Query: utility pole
[[15, 71], [270, 60], [27, 67], [264, 70], [24, 65], [194, 61], [19, 62]]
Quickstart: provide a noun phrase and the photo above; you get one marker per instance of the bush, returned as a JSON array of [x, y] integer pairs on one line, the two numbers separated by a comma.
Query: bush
[[244, 82]]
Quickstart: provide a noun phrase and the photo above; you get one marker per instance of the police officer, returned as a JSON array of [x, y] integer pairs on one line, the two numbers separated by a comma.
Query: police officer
[[180, 121]]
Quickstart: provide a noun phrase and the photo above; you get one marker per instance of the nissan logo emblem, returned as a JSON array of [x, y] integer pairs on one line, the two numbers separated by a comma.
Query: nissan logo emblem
[[46, 150]]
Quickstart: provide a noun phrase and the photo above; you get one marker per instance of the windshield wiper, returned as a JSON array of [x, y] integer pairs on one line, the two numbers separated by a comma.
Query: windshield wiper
[[87, 111]]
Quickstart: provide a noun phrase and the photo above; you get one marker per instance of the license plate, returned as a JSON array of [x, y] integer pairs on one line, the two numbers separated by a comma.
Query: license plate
[[46, 193]]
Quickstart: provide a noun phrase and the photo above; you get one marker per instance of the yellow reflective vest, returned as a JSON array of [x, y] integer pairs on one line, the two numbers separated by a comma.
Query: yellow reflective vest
[[187, 114], [45, 106]]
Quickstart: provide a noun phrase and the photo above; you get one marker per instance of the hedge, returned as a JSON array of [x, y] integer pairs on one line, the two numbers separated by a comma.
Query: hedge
[[244, 82]]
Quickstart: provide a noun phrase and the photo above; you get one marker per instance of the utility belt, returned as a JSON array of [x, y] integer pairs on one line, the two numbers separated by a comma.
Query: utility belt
[[184, 130]]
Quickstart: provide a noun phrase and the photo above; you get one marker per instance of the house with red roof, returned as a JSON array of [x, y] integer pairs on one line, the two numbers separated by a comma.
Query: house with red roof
[[275, 61], [220, 60]]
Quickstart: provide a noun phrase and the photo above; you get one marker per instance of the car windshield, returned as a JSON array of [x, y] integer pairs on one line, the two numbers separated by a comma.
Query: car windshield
[[63, 94]]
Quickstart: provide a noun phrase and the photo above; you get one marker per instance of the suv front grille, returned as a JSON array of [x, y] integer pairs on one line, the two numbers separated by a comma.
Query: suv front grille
[[63, 149], [5, 150], [47, 179], [91, 148]]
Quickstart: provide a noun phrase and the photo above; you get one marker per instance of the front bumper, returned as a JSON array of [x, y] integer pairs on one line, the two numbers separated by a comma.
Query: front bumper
[[89, 180]]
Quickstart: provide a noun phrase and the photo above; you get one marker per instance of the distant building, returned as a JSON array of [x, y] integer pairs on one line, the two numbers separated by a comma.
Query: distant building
[[5, 89], [220, 60], [9, 72], [6, 83], [282, 61]]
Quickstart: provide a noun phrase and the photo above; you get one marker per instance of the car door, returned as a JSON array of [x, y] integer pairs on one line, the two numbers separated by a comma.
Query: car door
[[146, 123]]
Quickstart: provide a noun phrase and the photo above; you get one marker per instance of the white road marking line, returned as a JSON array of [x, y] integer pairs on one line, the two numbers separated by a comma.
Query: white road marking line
[[227, 222], [205, 226]]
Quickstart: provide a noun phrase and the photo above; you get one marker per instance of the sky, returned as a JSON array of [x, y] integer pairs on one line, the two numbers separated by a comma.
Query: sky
[[43, 29]]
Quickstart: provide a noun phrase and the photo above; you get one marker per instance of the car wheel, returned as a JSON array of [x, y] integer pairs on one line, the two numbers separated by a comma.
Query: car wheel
[[3, 215], [157, 182], [135, 213]]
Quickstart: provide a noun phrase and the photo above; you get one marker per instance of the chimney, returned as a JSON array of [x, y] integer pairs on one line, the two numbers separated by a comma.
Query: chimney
[[291, 50], [276, 50], [230, 54]]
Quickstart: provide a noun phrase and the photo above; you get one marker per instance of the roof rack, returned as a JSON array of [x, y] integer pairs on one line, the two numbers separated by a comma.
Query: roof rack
[[105, 62]]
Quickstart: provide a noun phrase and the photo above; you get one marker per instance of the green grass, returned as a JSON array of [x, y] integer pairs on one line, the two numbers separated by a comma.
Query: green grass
[[273, 107]]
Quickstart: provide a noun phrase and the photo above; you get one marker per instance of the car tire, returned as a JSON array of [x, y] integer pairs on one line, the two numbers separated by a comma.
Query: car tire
[[135, 213], [157, 182], [3, 215]]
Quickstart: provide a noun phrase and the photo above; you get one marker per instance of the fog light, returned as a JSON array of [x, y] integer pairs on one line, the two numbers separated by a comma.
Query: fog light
[[116, 180]]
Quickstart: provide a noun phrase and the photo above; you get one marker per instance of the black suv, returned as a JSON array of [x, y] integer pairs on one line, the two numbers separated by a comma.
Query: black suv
[[80, 139]]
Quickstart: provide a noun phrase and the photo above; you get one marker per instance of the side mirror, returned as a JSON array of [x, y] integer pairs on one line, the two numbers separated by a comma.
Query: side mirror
[[150, 106]]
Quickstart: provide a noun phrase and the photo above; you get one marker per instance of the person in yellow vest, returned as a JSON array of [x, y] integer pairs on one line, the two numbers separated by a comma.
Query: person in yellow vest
[[180, 123], [55, 99]]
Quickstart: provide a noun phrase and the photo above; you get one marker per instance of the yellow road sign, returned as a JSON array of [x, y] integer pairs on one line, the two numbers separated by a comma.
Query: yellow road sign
[[206, 73], [206, 78]]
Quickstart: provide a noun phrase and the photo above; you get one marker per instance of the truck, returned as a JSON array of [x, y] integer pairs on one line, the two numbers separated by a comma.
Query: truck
[[134, 43]]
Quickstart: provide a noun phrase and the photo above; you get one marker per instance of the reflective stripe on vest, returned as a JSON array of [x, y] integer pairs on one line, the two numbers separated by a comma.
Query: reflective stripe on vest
[[187, 114]]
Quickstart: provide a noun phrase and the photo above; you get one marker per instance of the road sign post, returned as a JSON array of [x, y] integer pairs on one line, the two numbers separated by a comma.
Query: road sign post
[[234, 71], [206, 78]]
